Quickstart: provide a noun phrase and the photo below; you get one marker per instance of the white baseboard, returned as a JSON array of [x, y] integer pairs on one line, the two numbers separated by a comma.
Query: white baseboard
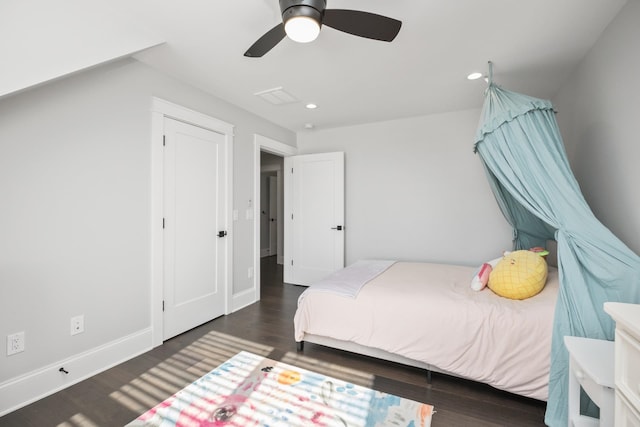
[[25, 389], [243, 299]]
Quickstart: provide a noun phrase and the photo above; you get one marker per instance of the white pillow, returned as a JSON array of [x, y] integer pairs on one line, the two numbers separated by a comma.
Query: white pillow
[[481, 278]]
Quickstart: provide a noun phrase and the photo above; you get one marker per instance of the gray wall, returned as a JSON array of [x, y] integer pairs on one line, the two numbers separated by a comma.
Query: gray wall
[[415, 190], [599, 116], [75, 191]]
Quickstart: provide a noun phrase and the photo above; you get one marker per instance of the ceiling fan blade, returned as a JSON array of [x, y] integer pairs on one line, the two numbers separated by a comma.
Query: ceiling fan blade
[[363, 24], [267, 42]]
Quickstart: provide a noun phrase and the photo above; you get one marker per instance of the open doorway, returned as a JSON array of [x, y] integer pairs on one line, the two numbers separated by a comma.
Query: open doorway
[[271, 224], [271, 207], [269, 163]]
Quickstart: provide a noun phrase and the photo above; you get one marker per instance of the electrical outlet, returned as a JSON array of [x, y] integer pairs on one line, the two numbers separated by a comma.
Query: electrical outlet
[[250, 272], [15, 343], [77, 324]]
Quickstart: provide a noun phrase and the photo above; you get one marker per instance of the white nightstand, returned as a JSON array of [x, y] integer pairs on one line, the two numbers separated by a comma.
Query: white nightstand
[[627, 371], [591, 365]]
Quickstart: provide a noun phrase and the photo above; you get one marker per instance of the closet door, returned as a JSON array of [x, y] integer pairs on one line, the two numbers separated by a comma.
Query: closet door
[[195, 240]]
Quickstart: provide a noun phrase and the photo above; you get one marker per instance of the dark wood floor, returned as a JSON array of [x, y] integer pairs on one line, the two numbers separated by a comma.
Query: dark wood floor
[[120, 394]]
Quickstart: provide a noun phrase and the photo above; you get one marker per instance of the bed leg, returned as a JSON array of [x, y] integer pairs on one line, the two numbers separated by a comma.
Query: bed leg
[[300, 346], [429, 376]]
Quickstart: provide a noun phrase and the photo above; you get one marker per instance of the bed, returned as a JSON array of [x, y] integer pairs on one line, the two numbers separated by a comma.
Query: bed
[[426, 315]]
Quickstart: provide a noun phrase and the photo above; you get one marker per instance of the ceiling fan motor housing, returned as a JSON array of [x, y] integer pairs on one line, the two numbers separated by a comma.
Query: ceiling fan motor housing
[[313, 9], [302, 20]]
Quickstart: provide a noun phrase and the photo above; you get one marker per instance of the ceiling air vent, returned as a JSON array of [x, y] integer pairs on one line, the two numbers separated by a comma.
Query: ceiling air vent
[[276, 96]]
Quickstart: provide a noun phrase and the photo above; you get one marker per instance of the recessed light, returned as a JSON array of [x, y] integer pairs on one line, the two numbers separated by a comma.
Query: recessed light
[[474, 76], [309, 126], [311, 106]]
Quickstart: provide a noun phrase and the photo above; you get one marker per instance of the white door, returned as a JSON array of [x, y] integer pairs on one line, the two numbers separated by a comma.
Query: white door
[[280, 225], [194, 206], [314, 216], [273, 215]]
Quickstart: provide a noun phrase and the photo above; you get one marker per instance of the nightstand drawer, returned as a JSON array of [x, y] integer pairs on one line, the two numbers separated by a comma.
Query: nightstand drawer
[[626, 416], [627, 374]]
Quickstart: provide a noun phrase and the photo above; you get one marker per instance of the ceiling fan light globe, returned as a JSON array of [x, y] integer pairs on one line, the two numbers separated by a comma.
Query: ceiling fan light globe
[[302, 29]]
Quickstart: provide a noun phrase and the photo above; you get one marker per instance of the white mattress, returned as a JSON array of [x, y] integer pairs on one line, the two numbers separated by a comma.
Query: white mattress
[[428, 313]]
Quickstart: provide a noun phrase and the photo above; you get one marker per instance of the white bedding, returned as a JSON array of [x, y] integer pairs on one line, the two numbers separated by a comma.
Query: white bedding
[[348, 281], [428, 313]]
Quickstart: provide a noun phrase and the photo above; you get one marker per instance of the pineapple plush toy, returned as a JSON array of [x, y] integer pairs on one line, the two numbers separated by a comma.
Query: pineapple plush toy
[[519, 275]]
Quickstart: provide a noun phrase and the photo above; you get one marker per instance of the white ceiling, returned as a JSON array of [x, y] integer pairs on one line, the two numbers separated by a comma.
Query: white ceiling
[[534, 45]]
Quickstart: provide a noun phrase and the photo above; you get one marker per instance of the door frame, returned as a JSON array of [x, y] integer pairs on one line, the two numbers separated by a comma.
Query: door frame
[[268, 145], [159, 110]]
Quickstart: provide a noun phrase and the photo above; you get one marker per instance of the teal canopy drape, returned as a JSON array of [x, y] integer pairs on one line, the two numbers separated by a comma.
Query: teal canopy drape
[[522, 151]]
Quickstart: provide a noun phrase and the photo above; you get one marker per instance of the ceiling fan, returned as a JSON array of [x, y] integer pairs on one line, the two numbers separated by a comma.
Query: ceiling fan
[[302, 19]]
